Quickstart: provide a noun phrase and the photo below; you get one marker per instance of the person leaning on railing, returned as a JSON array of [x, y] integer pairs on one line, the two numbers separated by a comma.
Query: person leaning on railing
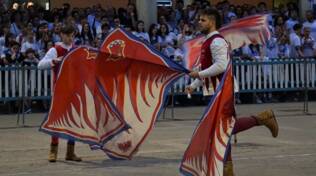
[[12, 55], [30, 58]]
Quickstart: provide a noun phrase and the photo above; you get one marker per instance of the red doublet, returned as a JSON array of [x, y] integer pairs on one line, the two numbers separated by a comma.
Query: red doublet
[[61, 51], [207, 61]]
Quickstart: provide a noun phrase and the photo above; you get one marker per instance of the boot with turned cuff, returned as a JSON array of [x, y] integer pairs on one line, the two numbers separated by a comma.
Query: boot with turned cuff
[[70, 155], [52, 156], [267, 118]]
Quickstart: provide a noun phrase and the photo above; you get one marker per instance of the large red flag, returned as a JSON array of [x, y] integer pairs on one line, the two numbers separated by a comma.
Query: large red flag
[[127, 77], [80, 108], [136, 77], [206, 152], [253, 29]]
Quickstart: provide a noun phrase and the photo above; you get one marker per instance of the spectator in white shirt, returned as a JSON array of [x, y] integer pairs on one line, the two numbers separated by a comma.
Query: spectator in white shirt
[[272, 48], [166, 37], [311, 23], [295, 41], [254, 52], [29, 43], [3, 33], [283, 47], [292, 21], [185, 35], [154, 38], [56, 32], [15, 27], [140, 31], [8, 39], [96, 25], [308, 43], [162, 20]]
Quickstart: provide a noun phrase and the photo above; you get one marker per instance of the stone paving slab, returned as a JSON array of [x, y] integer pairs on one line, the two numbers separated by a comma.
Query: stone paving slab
[[23, 150]]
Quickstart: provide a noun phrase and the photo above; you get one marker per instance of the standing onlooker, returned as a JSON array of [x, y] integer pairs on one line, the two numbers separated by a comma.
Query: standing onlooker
[[279, 26], [8, 39], [43, 36], [166, 37], [15, 27], [167, 43], [308, 43], [56, 32], [13, 55], [86, 36], [292, 21], [4, 31], [296, 52], [131, 16], [154, 38], [30, 57], [272, 48], [29, 43], [309, 50], [140, 31], [311, 23], [117, 22], [185, 35], [283, 46], [295, 41], [105, 30]]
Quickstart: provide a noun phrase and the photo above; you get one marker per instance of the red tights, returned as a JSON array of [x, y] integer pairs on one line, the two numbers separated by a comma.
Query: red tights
[[242, 124], [54, 141]]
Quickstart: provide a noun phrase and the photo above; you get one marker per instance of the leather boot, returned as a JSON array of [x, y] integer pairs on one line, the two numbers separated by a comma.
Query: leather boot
[[267, 118], [70, 154], [228, 168], [52, 156]]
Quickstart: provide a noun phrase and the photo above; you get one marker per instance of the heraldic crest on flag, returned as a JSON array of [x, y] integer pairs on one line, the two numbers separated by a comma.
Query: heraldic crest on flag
[[111, 97]]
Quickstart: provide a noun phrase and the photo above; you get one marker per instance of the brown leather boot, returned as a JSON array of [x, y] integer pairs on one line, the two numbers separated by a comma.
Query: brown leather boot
[[52, 156], [228, 168], [70, 155], [267, 118]]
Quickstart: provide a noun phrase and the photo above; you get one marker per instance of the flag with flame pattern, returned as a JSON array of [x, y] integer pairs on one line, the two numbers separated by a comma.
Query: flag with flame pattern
[[111, 97]]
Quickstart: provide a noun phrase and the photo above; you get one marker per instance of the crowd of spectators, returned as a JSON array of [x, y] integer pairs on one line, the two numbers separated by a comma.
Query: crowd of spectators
[[28, 31]]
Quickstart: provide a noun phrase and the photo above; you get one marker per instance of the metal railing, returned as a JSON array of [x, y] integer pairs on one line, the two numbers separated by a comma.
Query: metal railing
[[18, 81], [295, 74]]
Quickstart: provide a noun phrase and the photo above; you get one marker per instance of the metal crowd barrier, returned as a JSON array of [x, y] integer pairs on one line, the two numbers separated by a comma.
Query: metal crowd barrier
[[18, 81], [268, 75], [294, 74]]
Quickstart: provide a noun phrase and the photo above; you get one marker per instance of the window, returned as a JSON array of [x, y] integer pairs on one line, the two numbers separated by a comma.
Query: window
[[164, 3], [25, 3]]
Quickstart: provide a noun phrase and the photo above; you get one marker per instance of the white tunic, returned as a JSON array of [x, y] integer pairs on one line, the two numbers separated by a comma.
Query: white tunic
[[51, 54], [219, 49]]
